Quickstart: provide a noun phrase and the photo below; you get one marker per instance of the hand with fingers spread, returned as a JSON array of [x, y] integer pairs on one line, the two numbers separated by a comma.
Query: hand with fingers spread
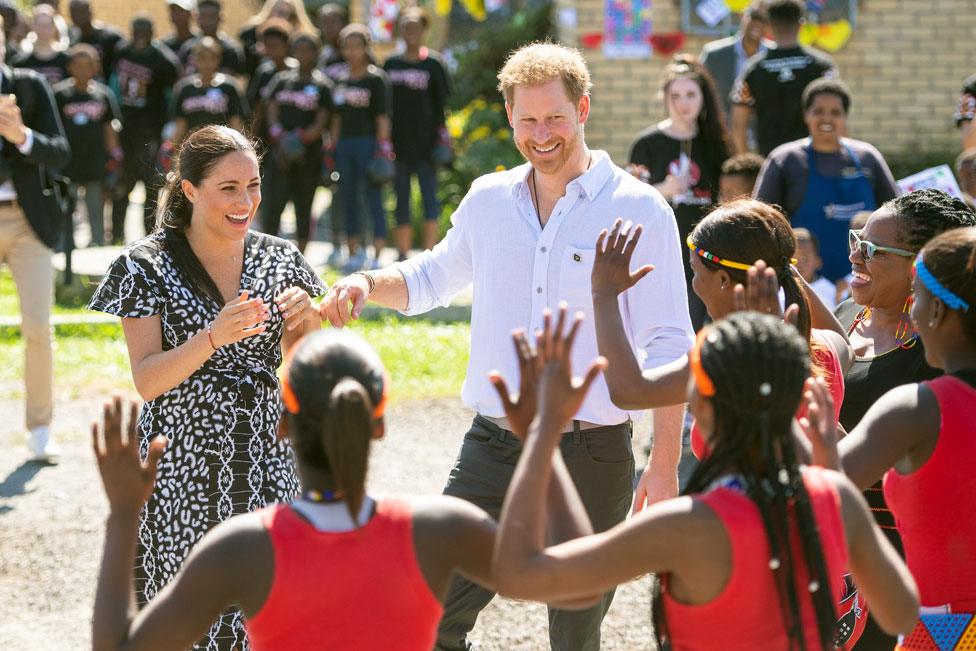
[[240, 318], [611, 274], [520, 409], [820, 425], [560, 394], [296, 306], [761, 294], [128, 480], [353, 289]]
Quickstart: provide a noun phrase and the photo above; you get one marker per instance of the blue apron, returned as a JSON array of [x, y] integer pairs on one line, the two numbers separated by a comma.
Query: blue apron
[[827, 209]]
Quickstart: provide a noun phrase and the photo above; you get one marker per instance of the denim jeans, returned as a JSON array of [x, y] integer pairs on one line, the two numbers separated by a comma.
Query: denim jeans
[[427, 177], [94, 207], [351, 157]]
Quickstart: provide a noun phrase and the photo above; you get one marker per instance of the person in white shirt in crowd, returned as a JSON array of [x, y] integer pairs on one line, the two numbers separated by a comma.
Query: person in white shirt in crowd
[[526, 238], [809, 262]]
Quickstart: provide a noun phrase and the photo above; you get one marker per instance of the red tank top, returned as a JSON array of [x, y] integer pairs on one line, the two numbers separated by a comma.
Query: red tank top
[[746, 614], [933, 506], [827, 359], [359, 589]]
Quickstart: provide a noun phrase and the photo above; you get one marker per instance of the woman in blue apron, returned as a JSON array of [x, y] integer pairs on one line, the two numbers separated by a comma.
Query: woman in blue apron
[[824, 180]]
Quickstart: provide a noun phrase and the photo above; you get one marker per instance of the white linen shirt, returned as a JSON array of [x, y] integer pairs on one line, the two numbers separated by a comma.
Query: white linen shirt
[[518, 268]]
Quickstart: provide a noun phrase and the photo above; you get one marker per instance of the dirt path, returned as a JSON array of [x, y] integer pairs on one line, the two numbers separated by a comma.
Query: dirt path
[[51, 520]]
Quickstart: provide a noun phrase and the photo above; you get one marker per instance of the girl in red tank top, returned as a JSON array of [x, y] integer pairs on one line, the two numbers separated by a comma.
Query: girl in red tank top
[[920, 437], [753, 556], [334, 569]]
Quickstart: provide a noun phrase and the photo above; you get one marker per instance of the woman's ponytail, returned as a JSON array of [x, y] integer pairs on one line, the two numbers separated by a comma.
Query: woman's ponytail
[[346, 436]]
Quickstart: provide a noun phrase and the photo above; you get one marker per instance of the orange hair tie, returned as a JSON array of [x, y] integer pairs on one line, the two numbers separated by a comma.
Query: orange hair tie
[[702, 381], [288, 395], [380, 407]]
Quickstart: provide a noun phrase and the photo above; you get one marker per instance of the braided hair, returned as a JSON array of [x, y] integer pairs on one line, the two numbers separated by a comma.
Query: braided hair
[[758, 365], [951, 258], [923, 214]]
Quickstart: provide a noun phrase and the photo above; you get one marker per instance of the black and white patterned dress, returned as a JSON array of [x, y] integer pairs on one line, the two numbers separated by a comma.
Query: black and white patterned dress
[[223, 456]]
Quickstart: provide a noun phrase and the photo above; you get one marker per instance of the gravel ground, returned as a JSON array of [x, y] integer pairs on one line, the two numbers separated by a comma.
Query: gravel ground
[[51, 520]]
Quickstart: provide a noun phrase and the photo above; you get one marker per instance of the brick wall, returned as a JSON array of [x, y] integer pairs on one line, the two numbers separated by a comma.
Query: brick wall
[[119, 13], [904, 63]]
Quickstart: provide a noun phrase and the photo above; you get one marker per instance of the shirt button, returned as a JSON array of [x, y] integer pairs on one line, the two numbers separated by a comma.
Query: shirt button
[[538, 290], [543, 249]]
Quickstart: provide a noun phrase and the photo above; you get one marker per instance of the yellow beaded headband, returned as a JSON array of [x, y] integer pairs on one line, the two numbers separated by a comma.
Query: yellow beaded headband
[[711, 257]]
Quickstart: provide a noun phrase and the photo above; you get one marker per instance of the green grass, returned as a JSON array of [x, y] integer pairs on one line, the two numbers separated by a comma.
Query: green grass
[[425, 360]]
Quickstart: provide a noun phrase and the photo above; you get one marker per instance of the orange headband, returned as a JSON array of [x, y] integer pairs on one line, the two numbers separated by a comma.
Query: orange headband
[[291, 400], [702, 381]]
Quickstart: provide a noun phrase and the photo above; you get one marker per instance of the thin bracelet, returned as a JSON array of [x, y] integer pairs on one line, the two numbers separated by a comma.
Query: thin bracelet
[[370, 281], [210, 336]]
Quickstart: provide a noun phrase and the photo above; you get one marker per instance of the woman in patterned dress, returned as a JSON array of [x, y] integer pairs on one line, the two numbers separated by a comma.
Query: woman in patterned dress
[[207, 307]]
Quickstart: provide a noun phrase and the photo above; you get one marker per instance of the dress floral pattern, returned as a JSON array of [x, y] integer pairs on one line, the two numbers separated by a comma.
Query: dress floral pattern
[[223, 457]]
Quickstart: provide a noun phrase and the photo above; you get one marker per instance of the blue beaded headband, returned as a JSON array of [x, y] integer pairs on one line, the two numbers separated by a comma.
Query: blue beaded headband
[[937, 289]]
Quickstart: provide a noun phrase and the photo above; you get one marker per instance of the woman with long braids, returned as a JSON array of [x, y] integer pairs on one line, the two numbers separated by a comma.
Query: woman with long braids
[[887, 352], [751, 556], [919, 438], [682, 155], [332, 569], [207, 307], [722, 249]]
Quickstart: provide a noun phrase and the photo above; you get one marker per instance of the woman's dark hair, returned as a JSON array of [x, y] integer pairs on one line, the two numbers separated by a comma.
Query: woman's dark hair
[[758, 365], [711, 118], [197, 156], [278, 28], [337, 380], [824, 86], [951, 258], [923, 214], [746, 230], [307, 38]]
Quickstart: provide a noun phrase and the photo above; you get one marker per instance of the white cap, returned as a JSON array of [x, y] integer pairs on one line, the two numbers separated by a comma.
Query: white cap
[[189, 5]]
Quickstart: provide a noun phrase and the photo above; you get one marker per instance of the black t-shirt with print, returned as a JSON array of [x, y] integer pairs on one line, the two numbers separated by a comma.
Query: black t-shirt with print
[[144, 77], [215, 103], [299, 100], [420, 90], [231, 59], [105, 40], [334, 66], [248, 38], [662, 155], [772, 84], [257, 87], [358, 102], [84, 114], [175, 43], [53, 70]]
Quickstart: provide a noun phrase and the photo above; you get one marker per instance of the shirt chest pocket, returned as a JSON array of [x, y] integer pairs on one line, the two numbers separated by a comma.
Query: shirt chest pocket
[[574, 278]]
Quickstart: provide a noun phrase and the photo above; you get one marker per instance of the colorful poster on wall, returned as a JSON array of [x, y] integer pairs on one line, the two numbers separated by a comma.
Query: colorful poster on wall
[[940, 178], [626, 29], [382, 17]]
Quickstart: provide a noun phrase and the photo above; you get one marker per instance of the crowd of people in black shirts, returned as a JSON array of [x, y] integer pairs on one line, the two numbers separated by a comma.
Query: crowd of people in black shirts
[[315, 96]]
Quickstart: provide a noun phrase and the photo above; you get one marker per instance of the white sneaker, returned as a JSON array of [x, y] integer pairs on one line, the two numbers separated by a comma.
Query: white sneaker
[[42, 448]]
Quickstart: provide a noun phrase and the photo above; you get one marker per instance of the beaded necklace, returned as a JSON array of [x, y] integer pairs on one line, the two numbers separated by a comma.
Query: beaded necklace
[[905, 335]]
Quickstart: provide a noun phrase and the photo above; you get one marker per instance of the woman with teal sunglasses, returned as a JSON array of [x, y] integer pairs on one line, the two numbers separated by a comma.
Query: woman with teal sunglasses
[[887, 352]]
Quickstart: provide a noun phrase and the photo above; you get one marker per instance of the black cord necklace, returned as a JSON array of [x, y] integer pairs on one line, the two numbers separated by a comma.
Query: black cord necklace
[[535, 190]]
